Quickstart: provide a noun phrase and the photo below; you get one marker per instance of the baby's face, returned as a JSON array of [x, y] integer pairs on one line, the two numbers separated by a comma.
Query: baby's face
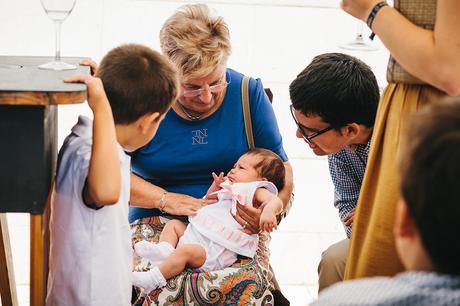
[[244, 170]]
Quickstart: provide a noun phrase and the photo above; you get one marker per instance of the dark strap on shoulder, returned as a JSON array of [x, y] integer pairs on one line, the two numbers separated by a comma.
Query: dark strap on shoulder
[[247, 112]]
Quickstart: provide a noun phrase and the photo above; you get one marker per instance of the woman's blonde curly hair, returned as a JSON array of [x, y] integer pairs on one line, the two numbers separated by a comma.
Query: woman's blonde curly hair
[[195, 40]]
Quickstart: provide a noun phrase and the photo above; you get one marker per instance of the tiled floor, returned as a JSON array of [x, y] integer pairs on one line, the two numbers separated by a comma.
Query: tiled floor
[[273, 41]]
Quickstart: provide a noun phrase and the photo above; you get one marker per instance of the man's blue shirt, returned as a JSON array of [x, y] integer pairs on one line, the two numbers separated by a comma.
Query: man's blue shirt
[[347, 169]]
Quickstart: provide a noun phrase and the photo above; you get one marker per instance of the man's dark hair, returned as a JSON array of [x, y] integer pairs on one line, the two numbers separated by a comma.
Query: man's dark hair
[[137, 81], [430, 181], [339, 88], [270, 167]]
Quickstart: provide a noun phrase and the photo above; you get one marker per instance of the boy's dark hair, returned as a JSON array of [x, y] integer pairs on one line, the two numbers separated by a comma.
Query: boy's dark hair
[[430, 181], [339, 88], [270, 167], [137, 81]]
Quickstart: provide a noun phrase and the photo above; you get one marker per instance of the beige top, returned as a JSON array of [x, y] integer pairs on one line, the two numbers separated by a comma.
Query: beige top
[[23, 83], [421, 13]]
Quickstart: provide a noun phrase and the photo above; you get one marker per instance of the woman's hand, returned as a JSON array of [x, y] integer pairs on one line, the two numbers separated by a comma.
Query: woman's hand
[[359, 8], [183, 205], [249, 218]]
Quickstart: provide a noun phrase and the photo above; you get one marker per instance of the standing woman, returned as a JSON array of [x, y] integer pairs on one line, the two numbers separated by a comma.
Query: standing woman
[[423, 37], [203, 132]]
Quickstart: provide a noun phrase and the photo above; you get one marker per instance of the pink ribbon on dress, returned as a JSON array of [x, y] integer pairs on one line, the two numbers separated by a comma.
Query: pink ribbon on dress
[[227, 188]]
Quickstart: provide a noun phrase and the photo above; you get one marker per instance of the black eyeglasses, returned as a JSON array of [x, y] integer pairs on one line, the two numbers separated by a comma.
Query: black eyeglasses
[[303, 128]]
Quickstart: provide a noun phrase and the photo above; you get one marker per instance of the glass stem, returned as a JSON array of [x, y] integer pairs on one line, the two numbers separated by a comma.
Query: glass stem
[[57, 25], [359, 31]]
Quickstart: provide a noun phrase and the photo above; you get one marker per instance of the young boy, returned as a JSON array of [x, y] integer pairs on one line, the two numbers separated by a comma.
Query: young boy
[[213, 238], [91, 254], [426, 227], [334, 103]]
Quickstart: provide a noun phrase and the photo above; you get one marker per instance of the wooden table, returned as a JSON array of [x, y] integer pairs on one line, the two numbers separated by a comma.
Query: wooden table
[[28, 131]]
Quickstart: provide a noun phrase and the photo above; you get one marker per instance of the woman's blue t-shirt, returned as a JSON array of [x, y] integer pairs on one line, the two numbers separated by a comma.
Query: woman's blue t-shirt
[[183, 154]]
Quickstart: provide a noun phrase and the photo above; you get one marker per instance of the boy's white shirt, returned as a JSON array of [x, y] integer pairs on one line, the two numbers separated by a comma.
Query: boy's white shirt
[[90, 253]]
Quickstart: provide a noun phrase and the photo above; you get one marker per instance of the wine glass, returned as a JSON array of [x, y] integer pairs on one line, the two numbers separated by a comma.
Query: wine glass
[[360, 43], [58, 10]]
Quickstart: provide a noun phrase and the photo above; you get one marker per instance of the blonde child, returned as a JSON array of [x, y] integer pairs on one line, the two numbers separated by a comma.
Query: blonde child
[[91, 255], [213, 239]]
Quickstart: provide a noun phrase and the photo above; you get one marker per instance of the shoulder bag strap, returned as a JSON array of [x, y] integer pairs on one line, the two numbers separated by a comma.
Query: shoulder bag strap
[[247, 112]]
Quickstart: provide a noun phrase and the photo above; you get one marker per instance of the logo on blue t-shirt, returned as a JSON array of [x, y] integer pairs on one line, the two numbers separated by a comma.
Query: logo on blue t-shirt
[[199, 136]]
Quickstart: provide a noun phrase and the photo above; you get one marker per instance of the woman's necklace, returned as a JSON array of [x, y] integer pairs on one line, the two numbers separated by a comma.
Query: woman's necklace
[[190, 116]]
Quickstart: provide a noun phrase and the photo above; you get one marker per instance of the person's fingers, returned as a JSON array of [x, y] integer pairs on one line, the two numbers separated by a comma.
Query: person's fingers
[[250, 214], [214, 176], [247, 231], [240, 220], [209, 201], [248, 228], [92, 64], [349, 215], [251, 229], [349, 219], [244, 216], [88, 62], [247, 211], [80, 78]]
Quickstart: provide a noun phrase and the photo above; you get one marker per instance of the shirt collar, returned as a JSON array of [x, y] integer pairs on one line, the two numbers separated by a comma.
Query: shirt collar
[[84, 127]]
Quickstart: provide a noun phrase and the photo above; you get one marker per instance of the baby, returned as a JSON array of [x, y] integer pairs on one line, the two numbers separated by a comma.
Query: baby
[[213, 238]]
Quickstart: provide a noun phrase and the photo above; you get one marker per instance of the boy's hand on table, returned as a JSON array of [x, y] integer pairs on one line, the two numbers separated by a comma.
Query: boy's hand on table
[[95, 90], [92, 64]]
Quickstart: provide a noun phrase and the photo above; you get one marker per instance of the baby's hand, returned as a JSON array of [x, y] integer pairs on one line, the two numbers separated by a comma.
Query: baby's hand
[[95, 90], [268, 221], [218, 179], [215, 186]]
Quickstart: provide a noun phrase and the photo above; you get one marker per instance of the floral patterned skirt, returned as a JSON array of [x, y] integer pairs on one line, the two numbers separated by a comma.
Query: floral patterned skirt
[[246, 282]]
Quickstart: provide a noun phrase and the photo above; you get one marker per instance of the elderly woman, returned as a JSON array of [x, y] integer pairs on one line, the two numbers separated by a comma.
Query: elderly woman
[[204, 132]]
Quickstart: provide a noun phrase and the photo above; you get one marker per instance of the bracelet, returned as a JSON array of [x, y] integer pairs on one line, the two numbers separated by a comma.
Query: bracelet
[[373, 13], [162, 204]]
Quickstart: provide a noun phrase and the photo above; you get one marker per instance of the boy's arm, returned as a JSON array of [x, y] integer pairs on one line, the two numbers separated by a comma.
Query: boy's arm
[[271, 206], [103, 183]]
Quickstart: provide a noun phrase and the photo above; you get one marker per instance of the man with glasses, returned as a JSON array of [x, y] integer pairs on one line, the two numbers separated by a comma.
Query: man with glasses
[[334, 103]]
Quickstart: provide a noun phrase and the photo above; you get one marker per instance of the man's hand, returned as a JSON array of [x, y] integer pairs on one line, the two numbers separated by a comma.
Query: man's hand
[[349, 218]]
